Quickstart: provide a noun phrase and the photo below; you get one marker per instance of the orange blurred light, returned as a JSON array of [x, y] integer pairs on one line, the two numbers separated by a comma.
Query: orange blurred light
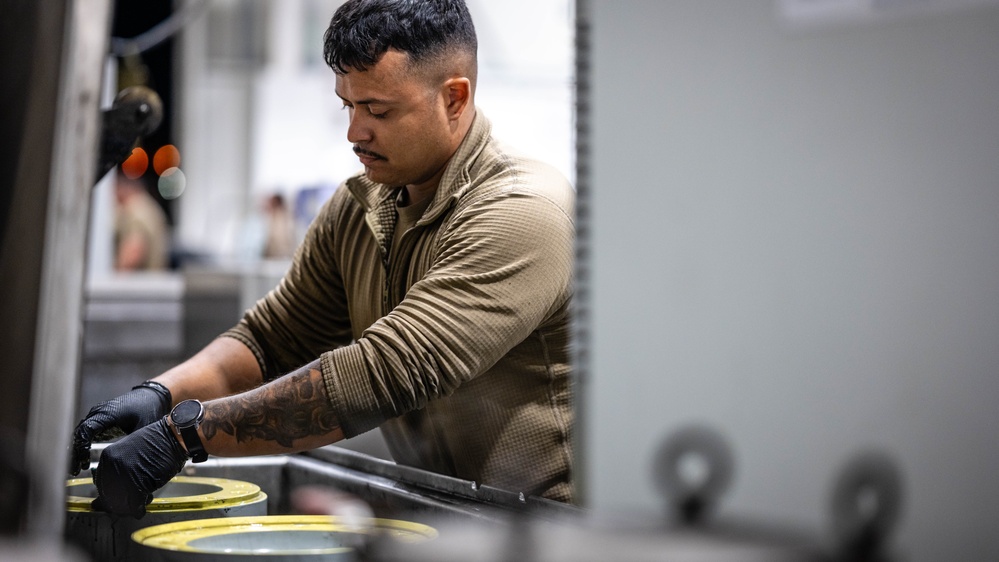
[[135, 165], [165, 158]]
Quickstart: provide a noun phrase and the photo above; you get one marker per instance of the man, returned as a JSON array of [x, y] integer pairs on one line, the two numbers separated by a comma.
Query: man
[[140, 228], [280, 240], [430, 296]]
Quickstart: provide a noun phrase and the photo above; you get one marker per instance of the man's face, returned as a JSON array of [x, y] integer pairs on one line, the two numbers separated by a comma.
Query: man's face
[[398, 123]]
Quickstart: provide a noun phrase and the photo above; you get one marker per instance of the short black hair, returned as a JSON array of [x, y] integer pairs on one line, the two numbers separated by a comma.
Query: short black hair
[[361, 31]]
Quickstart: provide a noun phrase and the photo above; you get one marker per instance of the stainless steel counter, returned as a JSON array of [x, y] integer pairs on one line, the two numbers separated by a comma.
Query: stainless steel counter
[[392, 490], [482, 523]]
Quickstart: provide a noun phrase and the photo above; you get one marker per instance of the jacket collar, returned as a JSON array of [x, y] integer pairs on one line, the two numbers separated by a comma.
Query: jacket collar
[[454, 182]]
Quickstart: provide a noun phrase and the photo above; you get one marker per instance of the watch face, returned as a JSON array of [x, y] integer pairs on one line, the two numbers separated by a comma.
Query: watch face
[[186, 413]]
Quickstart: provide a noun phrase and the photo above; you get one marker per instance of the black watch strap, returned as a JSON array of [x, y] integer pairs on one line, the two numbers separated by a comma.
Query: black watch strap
[[192, 441]]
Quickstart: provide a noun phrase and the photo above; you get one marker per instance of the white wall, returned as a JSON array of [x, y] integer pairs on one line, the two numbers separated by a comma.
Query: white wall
[[794, 239], [215, 123]]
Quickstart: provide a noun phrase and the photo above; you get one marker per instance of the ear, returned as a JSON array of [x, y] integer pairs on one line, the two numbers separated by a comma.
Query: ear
[[458, 95]]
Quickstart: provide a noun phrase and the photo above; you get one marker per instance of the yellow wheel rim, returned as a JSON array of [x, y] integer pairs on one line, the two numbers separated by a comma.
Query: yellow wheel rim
[[180, 536], [214, 493]]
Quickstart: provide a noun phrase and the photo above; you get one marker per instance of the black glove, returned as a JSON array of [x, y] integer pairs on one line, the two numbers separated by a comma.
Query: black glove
[[134, 467], [138, 407]]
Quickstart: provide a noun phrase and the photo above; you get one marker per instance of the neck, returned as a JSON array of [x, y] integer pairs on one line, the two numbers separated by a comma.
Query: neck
[[417, 193]]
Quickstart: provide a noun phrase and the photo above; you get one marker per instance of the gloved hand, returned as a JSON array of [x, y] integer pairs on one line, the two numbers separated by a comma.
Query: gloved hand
[[138, 407], [131, 469]]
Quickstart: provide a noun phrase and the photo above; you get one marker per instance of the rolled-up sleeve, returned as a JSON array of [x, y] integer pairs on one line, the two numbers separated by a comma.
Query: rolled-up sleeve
[[500, 268]]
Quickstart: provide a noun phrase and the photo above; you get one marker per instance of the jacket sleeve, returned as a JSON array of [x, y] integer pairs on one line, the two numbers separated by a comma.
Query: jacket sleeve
[[502, 267], [306, 314]]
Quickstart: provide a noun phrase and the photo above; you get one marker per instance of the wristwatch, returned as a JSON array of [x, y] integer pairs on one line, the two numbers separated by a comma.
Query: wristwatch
[[186, 417]]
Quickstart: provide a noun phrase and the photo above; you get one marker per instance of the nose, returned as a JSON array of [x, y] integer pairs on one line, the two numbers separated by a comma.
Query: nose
[[358, 130]]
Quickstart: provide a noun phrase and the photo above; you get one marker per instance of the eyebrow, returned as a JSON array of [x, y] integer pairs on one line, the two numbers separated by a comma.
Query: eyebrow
[[368, 101]]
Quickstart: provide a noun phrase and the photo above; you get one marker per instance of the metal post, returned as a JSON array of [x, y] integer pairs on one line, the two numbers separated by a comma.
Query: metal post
[[55, 372]]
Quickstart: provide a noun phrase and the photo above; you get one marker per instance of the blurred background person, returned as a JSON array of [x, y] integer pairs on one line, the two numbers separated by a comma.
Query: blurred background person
[[280, 242], [141, 239]]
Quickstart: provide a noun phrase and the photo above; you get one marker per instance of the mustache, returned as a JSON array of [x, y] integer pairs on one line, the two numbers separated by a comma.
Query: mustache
[[362, 152]]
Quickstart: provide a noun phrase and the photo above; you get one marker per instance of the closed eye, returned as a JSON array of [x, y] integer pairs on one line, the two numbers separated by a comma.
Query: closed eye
[[379, 114]]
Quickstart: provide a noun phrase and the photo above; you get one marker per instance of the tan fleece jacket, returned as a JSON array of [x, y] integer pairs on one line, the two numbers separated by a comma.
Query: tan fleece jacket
[[457, 346]]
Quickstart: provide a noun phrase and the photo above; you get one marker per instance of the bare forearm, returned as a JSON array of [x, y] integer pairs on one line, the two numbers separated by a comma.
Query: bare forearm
[[224, 367], [289, 414]]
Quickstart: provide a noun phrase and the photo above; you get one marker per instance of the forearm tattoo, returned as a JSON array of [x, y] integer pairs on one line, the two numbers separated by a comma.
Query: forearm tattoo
[[289, 408]]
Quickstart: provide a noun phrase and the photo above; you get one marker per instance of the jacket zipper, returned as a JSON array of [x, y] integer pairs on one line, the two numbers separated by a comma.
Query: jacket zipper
[[385, 287]]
